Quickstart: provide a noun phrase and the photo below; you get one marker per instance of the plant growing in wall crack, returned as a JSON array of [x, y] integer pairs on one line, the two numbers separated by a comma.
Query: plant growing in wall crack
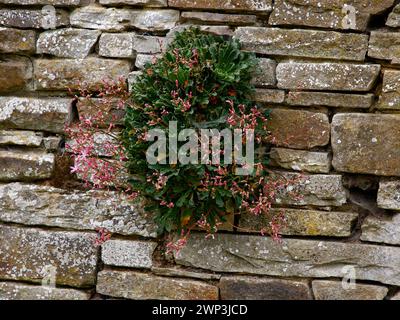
[[193, 143]]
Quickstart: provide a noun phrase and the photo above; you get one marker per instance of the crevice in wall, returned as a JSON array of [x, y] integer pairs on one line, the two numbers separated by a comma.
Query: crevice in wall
[[392, 292]]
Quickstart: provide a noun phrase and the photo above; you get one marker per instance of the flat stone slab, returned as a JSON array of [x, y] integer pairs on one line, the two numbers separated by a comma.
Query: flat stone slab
[[184, 273], [26, 165], [145, 3], [317, 190], [42, 114], [108, 107], [15, 74], [385, 46], [20, 291], [61, 74], [333, 290], [303, 43], [329, 99], [16, 40], [126, 253], [41, 205], [300, 160], [259, 6], [128, 44], [218, 18], [389, 194], [102, 18], [302, 222], [265, 75], [155, 20], [142, 286], [327, 76], [33, 254], [327, 14], [291, 257], [143, 59], [394, 18], [366, 143], [31, 18], [266, 96], [211, 29], [390, 96], [253, 288], [115, 19], [44, 2], [298, 129], [20, 138], [383, 229], [68, 42]]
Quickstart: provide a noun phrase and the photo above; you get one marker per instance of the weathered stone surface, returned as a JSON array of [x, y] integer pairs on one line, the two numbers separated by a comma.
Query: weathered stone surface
[[265, 75], [113, 113], [44, 2], [125, 253], [269, 96], [46, 114], [17, 165], [156, 20], [390, 96], [216, 30], [389, 194], [30, 254], [142, 286], [327, 76], [97, 17], [328, 99], [20, 138], [385, 46], [116, 45], [15, 74], [15, 40], [366, 143], [91, 176], [147, 3], [21, 291], [292, 257], [179, 272], [384, 229], [327, 14], [132, 77], [149, 44], [299, 129], [61, 74], [252, 288], [218, 18], [394, 17], [68, 42], [24, 18], [303, 222], [303, 43], [317, 190], [101, 143], [51, 143], [299, 160], [143, 59], [126, 45], [42, 205], [260, 6], [333, 290]]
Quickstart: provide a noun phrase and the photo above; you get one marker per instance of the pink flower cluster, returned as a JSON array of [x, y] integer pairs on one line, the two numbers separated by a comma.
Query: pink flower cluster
[[93, 140]]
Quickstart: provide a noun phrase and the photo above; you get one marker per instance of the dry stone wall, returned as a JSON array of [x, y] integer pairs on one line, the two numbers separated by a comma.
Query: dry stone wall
[[331, 76]]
